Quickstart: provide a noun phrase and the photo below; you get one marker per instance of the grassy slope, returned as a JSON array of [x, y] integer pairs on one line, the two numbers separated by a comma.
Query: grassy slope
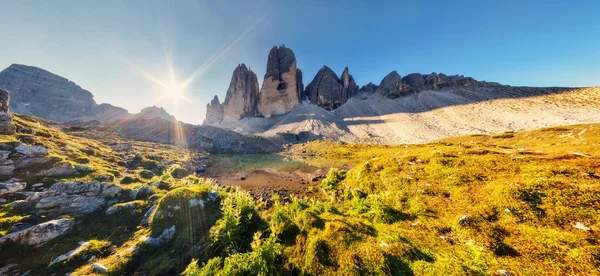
[[522, 194]]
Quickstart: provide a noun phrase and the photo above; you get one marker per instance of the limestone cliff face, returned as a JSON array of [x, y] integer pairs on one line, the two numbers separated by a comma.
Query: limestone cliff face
[[280, 92], [214, 112], [242, 95], [37, 92], [328, 91]]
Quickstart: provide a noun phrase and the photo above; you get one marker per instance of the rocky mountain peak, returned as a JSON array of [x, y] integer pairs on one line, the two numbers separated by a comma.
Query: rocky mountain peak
[[242, 95], [328, 91], [349, 84], [280, 91], [280, 61]]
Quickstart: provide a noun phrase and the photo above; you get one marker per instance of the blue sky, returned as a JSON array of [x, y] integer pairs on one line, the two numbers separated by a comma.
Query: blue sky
[[96, 43]]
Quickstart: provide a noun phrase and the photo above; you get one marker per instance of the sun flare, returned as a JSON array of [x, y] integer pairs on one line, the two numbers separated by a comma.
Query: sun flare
[[174, 91]]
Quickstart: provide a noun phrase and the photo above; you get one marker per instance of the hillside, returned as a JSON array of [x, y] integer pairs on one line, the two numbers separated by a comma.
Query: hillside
[[517, 203]]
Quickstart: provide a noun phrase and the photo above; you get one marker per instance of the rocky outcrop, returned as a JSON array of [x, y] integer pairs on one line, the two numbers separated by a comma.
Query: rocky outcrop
[[58, 170], [394, 86], [437, 81], [39, 234], [328, 91], [37, 92], [11, 186], [73, 198], [280, 92], [214, 112], [17, 158], [7, 127]]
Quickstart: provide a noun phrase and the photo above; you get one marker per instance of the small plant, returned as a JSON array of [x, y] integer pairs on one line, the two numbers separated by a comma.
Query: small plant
[[334, 177]]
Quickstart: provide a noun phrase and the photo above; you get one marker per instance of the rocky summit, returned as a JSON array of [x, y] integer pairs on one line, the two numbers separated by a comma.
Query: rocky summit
[[280, 91], [242, 96], [328, 91]]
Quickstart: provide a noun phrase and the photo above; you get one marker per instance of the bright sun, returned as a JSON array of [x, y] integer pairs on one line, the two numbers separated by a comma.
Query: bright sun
[[174, 90]]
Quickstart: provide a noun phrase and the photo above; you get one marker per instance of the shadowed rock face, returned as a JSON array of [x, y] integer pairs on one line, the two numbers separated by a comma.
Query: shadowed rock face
[[328, 91], [242, 95], [280, 92], [349, 84], [40, 93]]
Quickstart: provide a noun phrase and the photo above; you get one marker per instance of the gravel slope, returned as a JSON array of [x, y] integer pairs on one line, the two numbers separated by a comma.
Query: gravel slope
[[432, 115]]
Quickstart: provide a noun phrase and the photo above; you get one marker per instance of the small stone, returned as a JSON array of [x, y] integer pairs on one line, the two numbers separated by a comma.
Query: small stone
[[463, 219], [146, 174], [503, 272], [99, 268], [84, 169], [581, 226]]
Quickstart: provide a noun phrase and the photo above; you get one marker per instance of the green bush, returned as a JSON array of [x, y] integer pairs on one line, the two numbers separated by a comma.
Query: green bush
[[262, 260], [232, 233]]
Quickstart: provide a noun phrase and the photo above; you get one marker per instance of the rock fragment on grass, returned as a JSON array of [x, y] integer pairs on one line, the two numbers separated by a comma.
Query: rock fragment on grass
[[99, 268], [581, 226]]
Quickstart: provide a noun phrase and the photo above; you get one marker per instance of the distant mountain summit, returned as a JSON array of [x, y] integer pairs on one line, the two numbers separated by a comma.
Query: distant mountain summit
[[40, 93], [153, 112], [37, 92]]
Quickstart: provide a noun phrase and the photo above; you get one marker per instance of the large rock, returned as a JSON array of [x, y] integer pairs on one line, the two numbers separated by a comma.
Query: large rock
[[59, 169], [242, 95], [280, 92], [11, 186], [30, 151], [39, 234], [328, 91], [214, 112], [37, 92], [4, 101], [74, 198], [7, 127]]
